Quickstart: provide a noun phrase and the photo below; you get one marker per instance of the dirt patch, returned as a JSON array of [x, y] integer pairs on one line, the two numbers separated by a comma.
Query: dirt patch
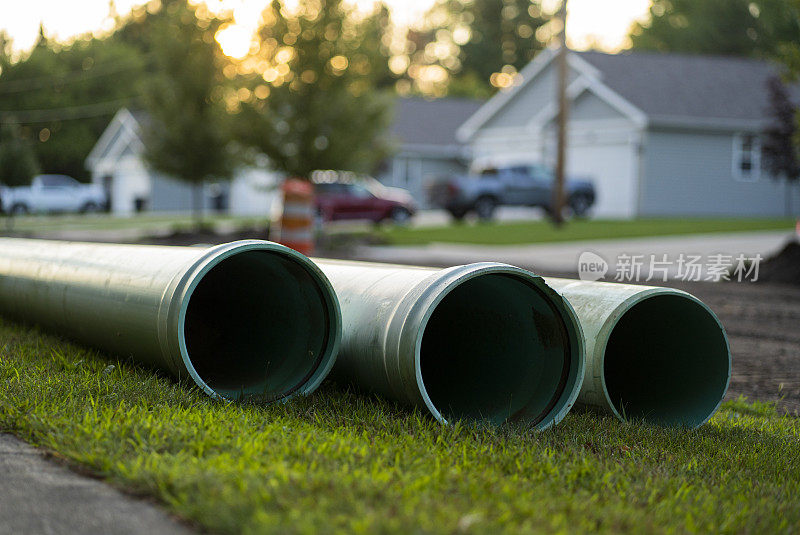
[[783, 267], [208, 236]]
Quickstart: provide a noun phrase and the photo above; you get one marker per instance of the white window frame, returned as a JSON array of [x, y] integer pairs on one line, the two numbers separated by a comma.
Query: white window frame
[[755, 158]]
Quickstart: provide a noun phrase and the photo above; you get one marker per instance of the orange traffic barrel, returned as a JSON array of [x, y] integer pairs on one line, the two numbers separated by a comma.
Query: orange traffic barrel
[[297, 221]]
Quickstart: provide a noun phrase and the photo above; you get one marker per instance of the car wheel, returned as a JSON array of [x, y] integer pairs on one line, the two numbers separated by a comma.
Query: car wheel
[[400, 216], [319, 219], [458, 215], [484, 208], [580, 204], [89, 208], [20, 209]]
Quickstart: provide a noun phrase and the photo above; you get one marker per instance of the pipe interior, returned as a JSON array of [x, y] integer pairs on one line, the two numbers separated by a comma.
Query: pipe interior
[[256, 325], [667, 362], [495, 349]]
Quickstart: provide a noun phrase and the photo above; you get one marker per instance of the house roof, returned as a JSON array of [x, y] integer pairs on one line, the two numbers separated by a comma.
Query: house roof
[[670, 89], [684, 86], [430, 122]]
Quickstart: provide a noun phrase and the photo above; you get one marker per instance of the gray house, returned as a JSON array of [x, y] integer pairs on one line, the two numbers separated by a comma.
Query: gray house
[[660, 135], [424, 132]]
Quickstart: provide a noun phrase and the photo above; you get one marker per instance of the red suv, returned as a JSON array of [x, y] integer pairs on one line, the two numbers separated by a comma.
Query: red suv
[[367, 199]]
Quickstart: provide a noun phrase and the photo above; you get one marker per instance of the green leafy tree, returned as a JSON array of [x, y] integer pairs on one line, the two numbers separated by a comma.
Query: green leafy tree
[[18, 162], [757, 28], [188, 134], [780, 140], [472, 47], [310, 100], [65, 96]]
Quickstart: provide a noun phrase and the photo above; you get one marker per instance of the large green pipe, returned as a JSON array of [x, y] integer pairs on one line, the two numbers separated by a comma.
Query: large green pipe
[[653, 354], [248, 318], [483, 341]]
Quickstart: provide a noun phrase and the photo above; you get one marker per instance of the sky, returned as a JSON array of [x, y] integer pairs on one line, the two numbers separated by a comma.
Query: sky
[[589, 22]]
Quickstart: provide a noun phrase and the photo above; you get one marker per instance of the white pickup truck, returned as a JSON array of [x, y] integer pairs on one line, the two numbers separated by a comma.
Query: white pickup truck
[[52, 193]]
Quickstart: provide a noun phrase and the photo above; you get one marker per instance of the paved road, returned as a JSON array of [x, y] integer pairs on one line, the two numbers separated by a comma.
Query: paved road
[[43, 497], [563, 257]]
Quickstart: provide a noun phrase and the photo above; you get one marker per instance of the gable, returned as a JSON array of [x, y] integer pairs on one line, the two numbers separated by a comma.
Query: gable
[[529, 100], [588, 106]]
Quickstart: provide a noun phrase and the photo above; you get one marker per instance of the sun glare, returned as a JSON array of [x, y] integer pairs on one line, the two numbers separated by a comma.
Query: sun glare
[[591, 23], [234, 39]]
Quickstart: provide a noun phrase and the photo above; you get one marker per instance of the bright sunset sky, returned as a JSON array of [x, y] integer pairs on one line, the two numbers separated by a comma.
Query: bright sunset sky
[[589, 21]]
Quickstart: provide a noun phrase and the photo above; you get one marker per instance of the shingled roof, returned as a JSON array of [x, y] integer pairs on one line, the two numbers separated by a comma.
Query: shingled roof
[[683, 86], [431, 122], [680, 90]]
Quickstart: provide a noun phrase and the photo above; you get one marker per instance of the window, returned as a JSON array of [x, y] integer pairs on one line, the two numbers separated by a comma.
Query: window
[[746, 157], [57, 181]]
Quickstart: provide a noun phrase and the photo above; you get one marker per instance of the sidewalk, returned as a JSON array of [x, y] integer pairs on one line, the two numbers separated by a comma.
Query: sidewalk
[[40, 496], [563, 257]]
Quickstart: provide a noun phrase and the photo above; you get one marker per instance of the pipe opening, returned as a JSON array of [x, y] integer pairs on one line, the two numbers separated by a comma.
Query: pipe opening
[[257, 324], [667, 362], [495, 349]]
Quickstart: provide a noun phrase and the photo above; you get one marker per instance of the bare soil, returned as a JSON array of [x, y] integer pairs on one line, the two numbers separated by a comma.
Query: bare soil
[[763, 324]]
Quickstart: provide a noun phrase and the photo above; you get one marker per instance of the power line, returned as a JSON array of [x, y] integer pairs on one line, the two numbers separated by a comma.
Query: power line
[[18, 86], [62, 114]]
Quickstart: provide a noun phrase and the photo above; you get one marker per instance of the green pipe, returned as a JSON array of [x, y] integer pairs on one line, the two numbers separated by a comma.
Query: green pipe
[[247, 318], [487, 342], [653, 354]]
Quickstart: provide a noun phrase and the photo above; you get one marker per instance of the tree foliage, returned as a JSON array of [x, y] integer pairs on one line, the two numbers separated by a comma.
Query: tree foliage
[[18, 162], [758, 28], [63, 96], [470, 47], [187, 135], [779, 146], [310, 100]]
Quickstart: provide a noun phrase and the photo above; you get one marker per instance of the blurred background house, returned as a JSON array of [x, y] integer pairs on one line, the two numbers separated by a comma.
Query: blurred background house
[[117, 163], [424, 133], [659, 134]]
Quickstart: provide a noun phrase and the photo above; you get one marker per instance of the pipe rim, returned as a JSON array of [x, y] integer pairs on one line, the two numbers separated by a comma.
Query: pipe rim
[[213, 257], [604, 336], [454, 277]]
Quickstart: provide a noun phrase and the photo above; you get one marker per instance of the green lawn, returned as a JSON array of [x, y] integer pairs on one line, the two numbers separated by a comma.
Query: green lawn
[[543, 231], [341, 462], [44, 224]]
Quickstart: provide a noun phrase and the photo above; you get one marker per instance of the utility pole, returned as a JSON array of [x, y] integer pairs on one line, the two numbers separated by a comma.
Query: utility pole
[[563, 105]]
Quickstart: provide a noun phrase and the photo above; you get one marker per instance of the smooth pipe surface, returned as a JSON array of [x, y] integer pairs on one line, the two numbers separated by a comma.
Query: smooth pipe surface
[[488, 341], [247, 318], [653, 354]]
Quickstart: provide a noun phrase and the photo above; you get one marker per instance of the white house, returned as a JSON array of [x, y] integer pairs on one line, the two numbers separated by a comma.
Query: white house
[[117, 163], [423, 131], [659, 134]]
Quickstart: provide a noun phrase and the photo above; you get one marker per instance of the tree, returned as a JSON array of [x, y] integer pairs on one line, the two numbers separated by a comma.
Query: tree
[[756, 28], [471, 47], [188, 135], [779, 147], [65, 95], [18, 162], [310, 100]]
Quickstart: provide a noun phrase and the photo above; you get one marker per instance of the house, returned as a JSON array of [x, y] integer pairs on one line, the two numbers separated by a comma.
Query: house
[[117, 163], [659, 134], [424, 132]]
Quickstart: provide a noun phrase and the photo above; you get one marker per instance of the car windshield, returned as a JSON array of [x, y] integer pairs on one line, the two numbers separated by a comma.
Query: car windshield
[[57, 180]]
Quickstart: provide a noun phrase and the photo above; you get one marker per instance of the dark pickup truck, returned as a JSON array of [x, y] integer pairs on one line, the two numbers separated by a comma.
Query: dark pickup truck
[[518, 185]]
